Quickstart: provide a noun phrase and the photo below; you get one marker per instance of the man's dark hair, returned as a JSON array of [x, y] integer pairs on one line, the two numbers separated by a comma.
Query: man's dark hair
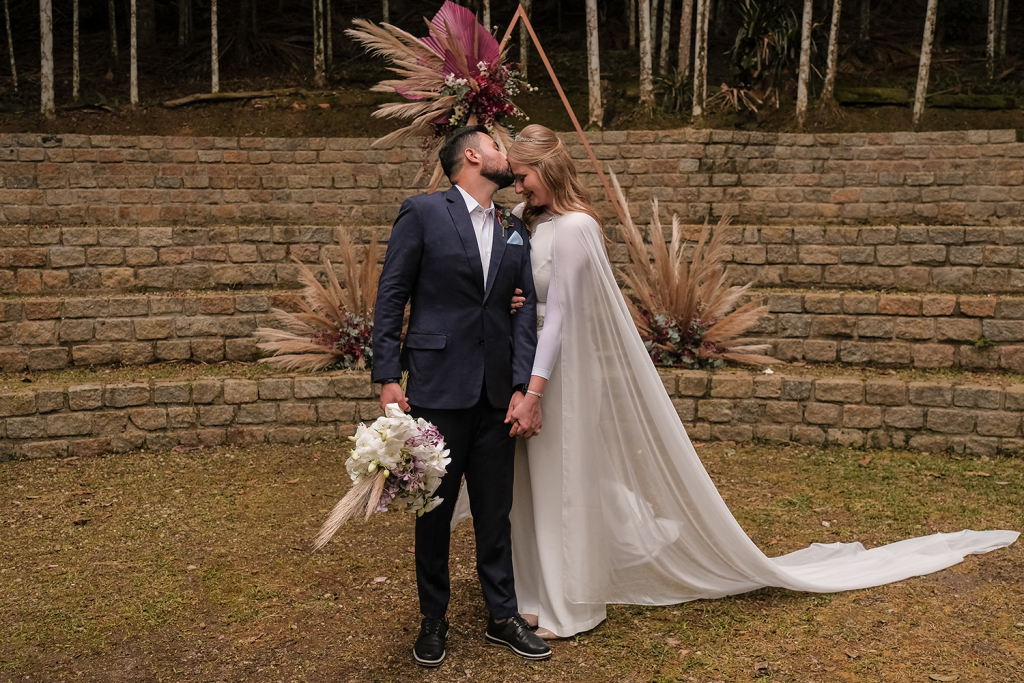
[[460, 139]]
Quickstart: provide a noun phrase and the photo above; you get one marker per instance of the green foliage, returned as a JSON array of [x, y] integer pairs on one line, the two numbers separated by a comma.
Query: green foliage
[[983, 342], [676, 91], [767, 42]]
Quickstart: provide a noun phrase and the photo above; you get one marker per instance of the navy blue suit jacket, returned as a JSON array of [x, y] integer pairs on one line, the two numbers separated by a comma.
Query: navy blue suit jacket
[[461, 332]]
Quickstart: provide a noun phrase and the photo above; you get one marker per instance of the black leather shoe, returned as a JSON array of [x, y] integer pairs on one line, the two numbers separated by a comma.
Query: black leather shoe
[[429, 648], [515, 634]]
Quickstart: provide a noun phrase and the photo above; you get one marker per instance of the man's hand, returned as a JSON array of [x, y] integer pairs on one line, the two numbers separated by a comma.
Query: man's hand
[[392, 393], [517, 302], [525, 415]]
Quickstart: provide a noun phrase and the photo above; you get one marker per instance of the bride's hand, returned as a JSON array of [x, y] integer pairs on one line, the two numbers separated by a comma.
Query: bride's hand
[[526, 417], [517, 301]]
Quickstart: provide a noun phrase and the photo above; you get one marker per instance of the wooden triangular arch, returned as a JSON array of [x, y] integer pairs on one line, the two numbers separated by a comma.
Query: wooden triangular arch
[[521, 15]]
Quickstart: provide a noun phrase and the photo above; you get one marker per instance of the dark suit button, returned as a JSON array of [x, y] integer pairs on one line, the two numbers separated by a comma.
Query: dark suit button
[[481, 342], [485, 306]]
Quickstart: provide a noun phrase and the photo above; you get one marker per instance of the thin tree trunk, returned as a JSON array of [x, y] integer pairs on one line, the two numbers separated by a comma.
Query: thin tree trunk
[[47, 105], [386, 12], [700, 59], [926, 60], [184, 22], [594, 66], [685, 34], [113, 29], [805, 63], [990, 47], [487, 15], [631, 20], [327, 32], [646, 77], [214, 49], [318, 44], [865, 20], [74, 52], [134, 78], [828, 93], [655, 6], [524, 38], [1002, 28], [666, 36], [10, 45]]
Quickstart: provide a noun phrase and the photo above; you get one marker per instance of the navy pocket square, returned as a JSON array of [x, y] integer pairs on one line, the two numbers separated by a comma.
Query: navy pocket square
[[516, 238]]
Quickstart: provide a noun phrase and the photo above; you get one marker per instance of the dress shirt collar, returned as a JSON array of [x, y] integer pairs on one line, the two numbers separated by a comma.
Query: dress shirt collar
[[472, 204]]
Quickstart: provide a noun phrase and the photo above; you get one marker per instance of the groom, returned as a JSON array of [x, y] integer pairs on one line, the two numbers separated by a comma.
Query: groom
[[469, 362]]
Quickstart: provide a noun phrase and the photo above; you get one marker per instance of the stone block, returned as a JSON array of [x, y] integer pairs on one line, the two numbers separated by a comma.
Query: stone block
[[95, 354], [313, 387], [148, 418], [823, 413], [820, 351], [336, 411], [950, 421], [938, 305], [998, 423], [796, 388], [936, 394], [899, 305], [26, 427], [243, 349], [978, 307], [153, 328], [715, 410], [784, 411], [810, 436], [772, 432], [839, 390], [123, 395], [833, 326], [172, 392], [206, 391], [44, 450], [957, 329], [766, 386], [275, 388], [731, 385], [72, 330], [904, 417], [288, 435], [54, 358], [686, 409], [240, 391], [216, 416], [1003, 330], [85, 397], [862, 417], [181, 417], [87, 448], [354, 385], [881, 328], [827, 303], [894, 353], [886, 392], [933, 356], [732, 433], [297, 413], [109, 423], [256, 413], [49, 400], [246, 436], [207, 350], [848, 438], [977, 396]]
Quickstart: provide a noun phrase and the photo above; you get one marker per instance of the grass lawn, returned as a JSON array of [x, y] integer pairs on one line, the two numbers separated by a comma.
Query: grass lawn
[[195, 566]]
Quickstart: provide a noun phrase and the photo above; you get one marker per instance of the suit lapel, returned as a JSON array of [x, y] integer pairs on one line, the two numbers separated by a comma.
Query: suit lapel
[[464, 226], [497, 252]]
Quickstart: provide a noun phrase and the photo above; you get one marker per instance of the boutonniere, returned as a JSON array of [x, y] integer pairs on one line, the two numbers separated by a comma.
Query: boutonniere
[[505, 218]]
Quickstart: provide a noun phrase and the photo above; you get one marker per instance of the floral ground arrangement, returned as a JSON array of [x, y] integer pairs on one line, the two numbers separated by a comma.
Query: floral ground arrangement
[[196, 566]]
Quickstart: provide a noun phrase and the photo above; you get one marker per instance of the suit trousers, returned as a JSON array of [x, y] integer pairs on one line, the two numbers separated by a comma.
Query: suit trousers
[[481, 449]]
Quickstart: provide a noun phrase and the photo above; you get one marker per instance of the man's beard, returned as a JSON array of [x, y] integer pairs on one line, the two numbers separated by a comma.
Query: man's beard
[[501, 176]]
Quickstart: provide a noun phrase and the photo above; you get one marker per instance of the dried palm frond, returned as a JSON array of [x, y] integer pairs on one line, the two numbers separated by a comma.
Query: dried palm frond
[[333, 324], [361, 498], [686, 308], [733, 98]]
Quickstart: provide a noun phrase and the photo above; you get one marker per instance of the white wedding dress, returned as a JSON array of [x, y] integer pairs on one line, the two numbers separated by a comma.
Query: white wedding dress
[[612, 503]]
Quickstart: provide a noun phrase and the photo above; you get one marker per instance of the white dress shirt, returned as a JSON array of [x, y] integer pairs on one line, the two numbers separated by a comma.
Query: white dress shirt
[[483, 225]]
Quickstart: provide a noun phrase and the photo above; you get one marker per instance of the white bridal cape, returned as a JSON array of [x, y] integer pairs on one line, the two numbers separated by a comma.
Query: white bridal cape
[[616, 497]]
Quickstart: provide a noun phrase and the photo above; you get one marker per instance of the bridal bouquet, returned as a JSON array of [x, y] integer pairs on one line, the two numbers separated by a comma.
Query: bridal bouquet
[[397, 464]]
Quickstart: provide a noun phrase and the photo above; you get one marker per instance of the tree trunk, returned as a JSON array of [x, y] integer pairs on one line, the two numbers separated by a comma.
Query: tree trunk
[[655, 6], [134, 56], [700, 59], [524, 38], [10, 45], [685, 33], [990, 47], [386, 10], [865, 20], [828, 93], [319, 77], [594, 66], [487, 16], [631, 20], [214, 49], [113, 29], [805, 64], [146, 23], [1002, 28], [74, 52], [327, 32], [666, 36], [926, 60], [46, 106], [184, 22], [646, 77]]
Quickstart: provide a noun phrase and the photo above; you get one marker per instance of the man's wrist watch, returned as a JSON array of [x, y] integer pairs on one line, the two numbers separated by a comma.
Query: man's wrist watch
[[521, 388], [390, 380]]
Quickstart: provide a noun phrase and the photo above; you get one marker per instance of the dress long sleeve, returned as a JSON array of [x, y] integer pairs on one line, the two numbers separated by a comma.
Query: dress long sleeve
[[550, 340]]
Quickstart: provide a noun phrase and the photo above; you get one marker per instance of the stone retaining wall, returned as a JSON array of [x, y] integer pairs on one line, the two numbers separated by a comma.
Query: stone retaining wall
[[896, 330], [53, 333], [91, 419], [961, 177]]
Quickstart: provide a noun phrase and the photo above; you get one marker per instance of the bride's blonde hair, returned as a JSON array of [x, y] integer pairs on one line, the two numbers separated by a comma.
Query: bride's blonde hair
[[539, 148]]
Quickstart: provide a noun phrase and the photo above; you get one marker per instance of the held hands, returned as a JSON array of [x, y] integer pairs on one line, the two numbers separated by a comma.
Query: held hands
[[392, 393], [524, 414], [517, 301]]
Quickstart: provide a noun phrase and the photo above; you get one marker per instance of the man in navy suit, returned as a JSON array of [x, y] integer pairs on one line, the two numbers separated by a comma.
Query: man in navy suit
[[459, 259]]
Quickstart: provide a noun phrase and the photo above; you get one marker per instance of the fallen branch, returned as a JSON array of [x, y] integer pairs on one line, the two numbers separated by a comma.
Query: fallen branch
[[227, 96]]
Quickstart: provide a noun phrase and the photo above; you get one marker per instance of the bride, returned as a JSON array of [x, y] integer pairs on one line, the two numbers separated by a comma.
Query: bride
[[611, 502]]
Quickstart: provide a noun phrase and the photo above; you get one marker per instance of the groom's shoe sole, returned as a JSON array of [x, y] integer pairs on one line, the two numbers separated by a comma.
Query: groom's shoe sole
[[496, 641], [430, 663]]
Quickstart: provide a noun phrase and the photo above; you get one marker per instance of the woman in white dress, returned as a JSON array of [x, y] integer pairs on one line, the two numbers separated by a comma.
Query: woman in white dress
[[611, 502]]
